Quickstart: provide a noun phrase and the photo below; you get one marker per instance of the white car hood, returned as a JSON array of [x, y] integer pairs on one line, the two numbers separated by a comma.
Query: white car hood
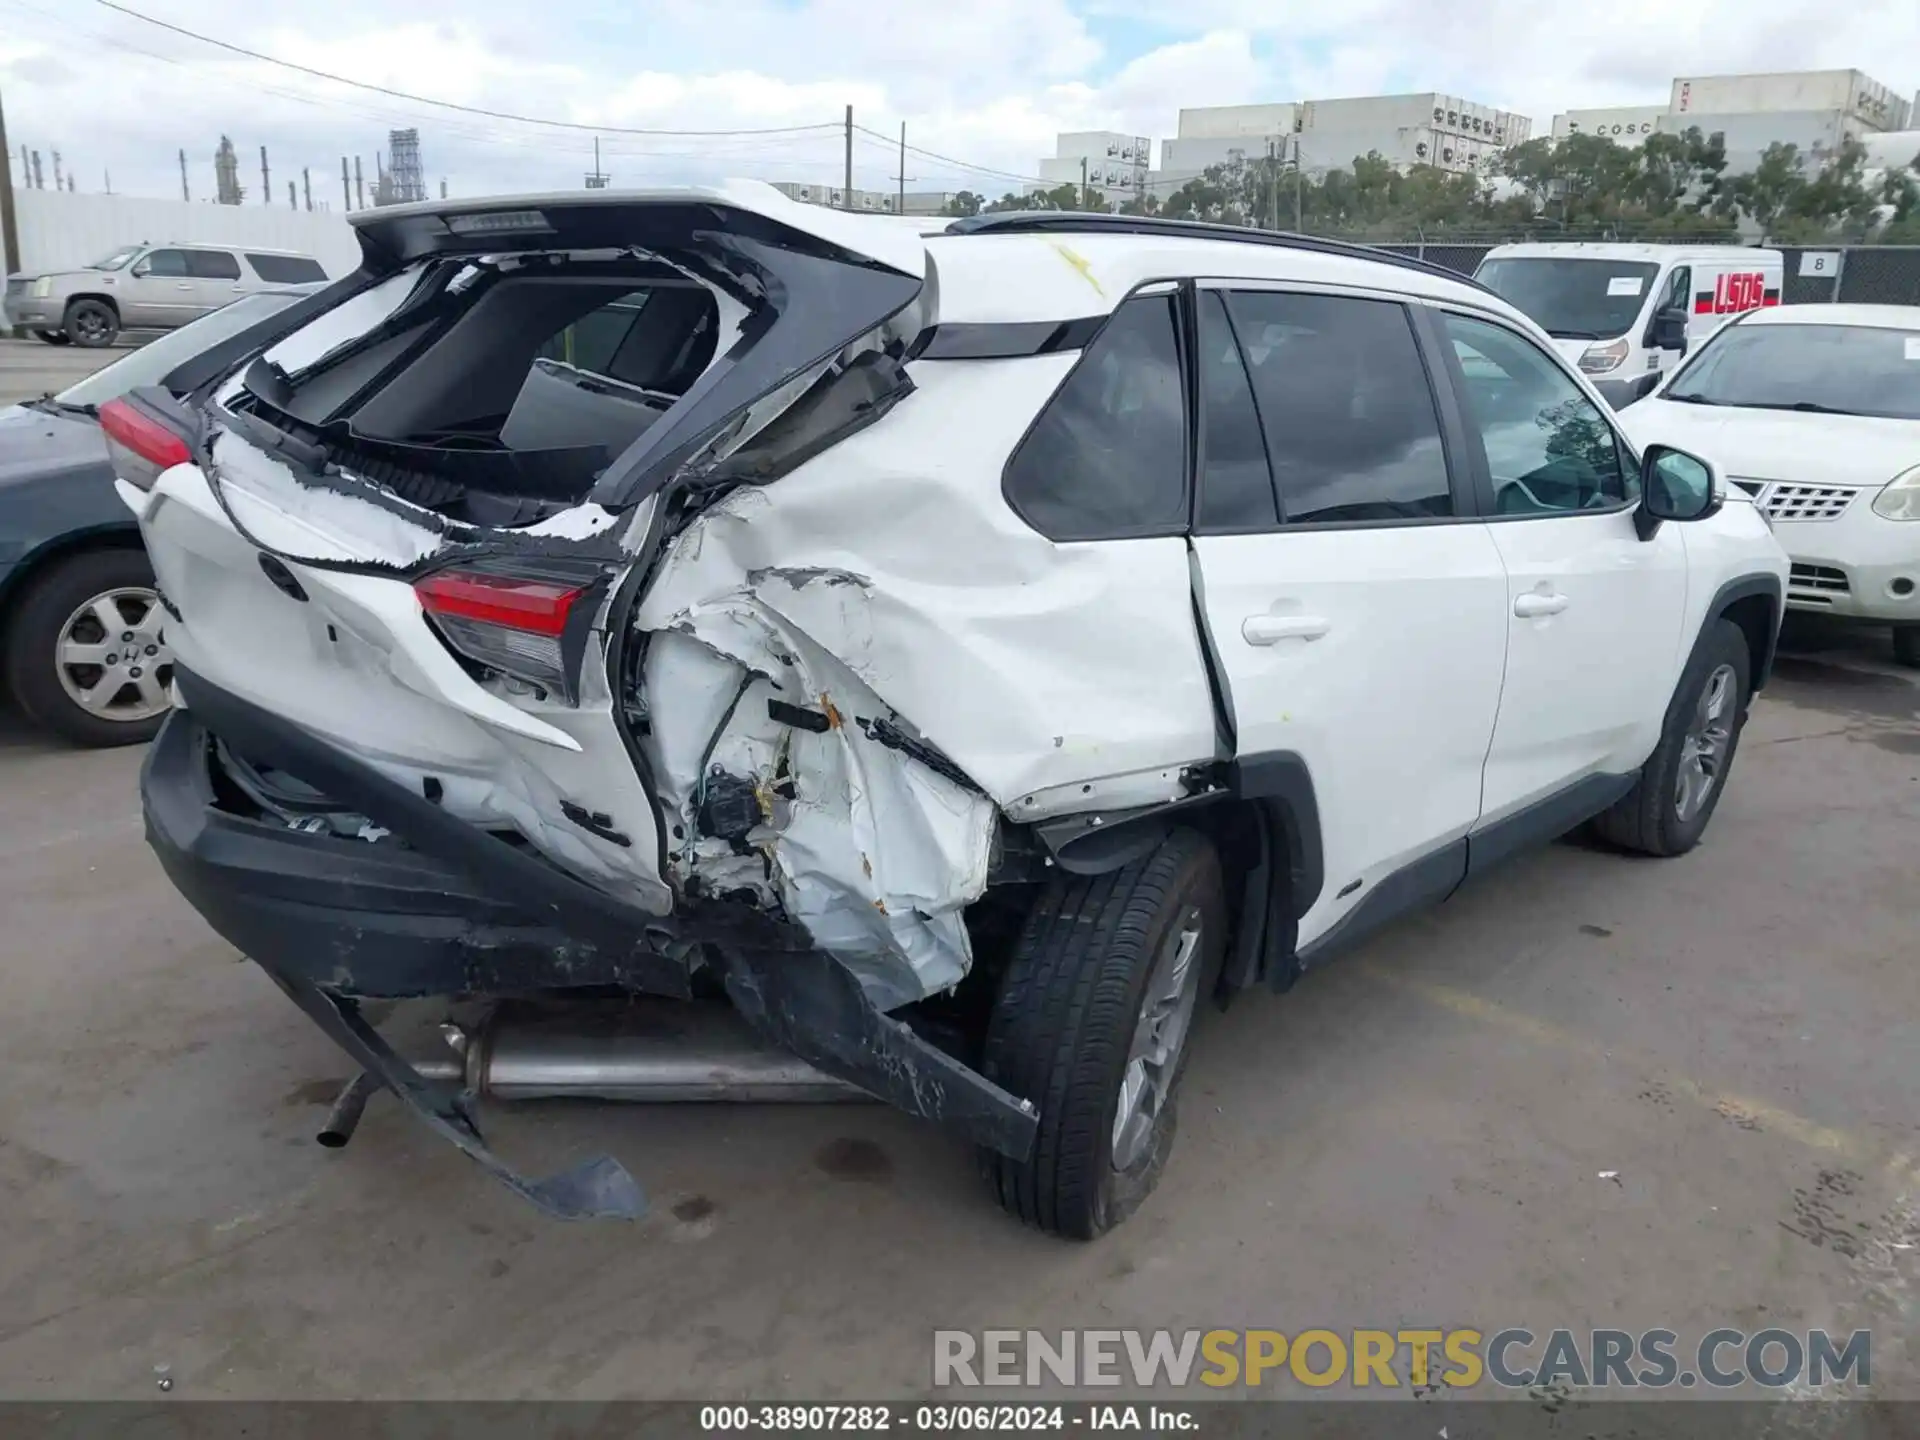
[[1780, 444]]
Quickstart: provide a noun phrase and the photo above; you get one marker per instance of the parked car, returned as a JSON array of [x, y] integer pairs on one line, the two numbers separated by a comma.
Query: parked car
[[80, 625], [148, 287], [1627, 314], [1814, 412], [964, 679]]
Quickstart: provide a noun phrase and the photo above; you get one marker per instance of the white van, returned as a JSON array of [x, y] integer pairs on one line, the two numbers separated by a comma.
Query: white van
[[1630, 312]]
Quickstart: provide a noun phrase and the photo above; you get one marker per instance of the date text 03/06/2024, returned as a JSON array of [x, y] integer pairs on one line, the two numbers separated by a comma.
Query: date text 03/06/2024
[[940, 1418]]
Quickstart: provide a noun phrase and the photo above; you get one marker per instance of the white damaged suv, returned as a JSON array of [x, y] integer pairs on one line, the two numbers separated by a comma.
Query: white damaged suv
[[961, 652]]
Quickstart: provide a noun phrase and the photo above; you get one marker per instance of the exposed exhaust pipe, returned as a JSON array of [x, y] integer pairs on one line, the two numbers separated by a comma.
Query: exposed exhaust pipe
[[641, 1052]]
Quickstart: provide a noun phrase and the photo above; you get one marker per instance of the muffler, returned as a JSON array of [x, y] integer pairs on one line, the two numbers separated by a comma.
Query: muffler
[[638, 1051]]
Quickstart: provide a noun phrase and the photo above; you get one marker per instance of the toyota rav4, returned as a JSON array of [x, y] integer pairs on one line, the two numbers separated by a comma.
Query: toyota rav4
[[959, 652]]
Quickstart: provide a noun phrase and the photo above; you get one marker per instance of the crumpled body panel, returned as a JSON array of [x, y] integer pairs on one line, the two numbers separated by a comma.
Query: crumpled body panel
[[878, 582]]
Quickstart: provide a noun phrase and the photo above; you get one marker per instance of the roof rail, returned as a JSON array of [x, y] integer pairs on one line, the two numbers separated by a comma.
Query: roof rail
[[1086, 222]]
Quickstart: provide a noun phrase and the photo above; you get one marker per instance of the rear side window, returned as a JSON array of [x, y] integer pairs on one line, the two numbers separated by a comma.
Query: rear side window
[[1347, 409], [286, 269], [212, 265], [1107, 458]]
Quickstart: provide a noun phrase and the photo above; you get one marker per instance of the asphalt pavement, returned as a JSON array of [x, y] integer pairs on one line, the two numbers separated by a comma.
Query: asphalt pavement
[[29, 368]]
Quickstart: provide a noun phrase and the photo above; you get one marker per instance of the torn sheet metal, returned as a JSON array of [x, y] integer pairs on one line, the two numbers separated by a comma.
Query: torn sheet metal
[[875, 854]]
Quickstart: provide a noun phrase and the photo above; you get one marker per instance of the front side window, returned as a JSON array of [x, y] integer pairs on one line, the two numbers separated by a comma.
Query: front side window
[[1348, 414], [1549, 449], [1107, 458], [170, 263], [1820, 369], [1680, 291], [212, 265]]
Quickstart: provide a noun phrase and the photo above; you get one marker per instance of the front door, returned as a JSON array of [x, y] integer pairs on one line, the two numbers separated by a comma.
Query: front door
[[1357, 617], [160, 292], [1593, 612]]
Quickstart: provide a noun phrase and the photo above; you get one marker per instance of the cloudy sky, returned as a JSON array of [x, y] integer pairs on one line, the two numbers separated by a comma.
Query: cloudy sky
[[983, 83]]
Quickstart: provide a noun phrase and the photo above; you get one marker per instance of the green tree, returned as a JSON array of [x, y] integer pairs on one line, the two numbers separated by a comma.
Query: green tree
[[964, 203], [1769, 191]]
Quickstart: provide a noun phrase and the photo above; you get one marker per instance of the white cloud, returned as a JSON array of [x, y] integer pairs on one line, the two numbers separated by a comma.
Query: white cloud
[[987, 81]]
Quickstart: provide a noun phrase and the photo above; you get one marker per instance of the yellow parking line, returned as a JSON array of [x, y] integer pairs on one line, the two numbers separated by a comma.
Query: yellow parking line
[[1735, 1107]]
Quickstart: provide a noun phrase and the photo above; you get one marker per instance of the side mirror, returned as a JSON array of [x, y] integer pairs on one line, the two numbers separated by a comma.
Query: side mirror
[[1674, 486], [141, 269], [1669, 330]]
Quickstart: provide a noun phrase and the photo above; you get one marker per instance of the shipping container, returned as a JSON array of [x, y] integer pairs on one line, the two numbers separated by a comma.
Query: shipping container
[[1627, 124], [1845, 92], [1222, 122], [1814, 134]]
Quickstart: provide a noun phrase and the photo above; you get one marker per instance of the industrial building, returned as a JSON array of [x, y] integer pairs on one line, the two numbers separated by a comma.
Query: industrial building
[[873, 202], [1112, 166], [1428, 128]]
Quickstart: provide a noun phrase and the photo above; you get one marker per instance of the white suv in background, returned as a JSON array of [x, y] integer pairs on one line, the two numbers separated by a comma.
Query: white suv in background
[[1814, 412], [962, 651], [148, 287]]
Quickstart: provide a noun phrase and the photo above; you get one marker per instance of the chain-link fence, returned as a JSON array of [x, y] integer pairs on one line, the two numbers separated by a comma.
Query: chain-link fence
[[1815, 275]]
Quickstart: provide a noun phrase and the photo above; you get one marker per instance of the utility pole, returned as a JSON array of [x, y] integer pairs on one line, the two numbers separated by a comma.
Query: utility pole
[[1083, 183], [346, 191], [183, 177], [597, 180], [39, 180], [9, 227], [59, 182], [900, 208], [266, 180], [293, 196], [1273, 182], [846, 195], [306, 185], [1298, 181], [359, 186]]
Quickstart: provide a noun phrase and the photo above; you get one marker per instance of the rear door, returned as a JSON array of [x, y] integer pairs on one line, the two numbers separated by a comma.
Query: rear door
[[1593, 612], [216, 278], [1356, 605]]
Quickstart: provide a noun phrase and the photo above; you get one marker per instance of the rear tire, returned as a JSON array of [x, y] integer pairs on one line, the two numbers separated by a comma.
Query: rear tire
[[1667, 810], [92, 324], [53, 337], [43, 620], [1906, 645], [1096, 984]]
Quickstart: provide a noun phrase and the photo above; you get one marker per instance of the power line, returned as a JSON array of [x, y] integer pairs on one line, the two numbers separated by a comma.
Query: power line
[[890, 143], [441, 104]]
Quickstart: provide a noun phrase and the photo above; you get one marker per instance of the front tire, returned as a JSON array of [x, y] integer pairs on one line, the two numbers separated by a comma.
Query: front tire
[[1679, 787], [69, 663], [1091, 1024], [92, 324]]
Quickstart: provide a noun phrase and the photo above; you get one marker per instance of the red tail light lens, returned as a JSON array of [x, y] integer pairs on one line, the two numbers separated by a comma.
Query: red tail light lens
[[539, 607], [142, 445], [507, 622]]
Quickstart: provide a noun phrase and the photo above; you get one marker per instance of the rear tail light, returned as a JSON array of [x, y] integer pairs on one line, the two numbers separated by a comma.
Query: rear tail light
[[147, 433], [510, 619]]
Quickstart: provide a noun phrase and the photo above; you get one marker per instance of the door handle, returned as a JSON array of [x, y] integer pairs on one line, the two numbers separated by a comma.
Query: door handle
[[183, 286], [1536, 603], [1272, 629]]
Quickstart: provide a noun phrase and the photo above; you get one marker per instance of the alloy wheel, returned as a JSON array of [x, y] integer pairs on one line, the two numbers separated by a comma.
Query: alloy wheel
[[1159, 1036], [111, 659]]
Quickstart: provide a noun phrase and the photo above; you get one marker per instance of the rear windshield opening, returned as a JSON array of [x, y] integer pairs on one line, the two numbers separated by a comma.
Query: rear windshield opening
[[487, 381]]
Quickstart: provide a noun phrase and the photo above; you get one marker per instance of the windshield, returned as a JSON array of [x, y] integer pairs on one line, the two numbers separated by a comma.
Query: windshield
[[1572, 299], [151, 362], [117, 260], [1843, 369]]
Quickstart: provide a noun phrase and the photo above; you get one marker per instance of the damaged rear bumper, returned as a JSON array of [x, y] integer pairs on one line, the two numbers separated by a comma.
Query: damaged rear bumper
[[440, 907]]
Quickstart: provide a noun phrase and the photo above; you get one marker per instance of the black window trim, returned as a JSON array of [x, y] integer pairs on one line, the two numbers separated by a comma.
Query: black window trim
[[1172, 288], [1454, 440], [1476, 452], [1198, 426]]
